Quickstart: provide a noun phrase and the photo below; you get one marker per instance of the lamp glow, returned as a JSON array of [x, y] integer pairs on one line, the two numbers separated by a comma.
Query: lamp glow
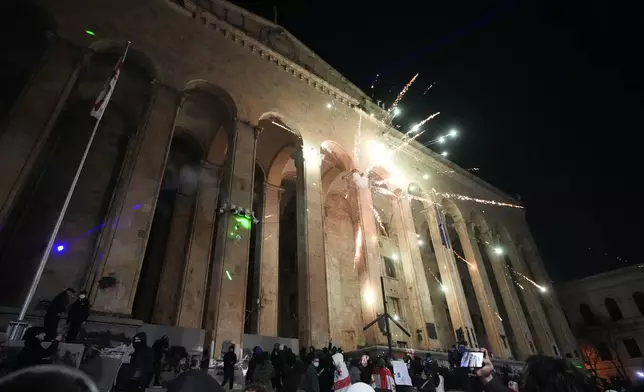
[[498, 250]]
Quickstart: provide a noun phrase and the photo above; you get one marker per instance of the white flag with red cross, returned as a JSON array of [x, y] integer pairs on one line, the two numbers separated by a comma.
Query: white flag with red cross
[[106, 93]]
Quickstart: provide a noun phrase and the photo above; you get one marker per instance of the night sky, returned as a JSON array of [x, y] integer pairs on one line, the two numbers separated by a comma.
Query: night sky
[[547, 99]]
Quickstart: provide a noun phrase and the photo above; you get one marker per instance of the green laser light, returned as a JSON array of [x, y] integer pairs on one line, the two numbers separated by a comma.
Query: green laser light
[[90, 32], [229, 277], [243, 221]]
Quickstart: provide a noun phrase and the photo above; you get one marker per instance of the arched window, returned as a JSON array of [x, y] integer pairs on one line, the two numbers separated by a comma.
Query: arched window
[[613, 309], [638, 297], [587, 314]]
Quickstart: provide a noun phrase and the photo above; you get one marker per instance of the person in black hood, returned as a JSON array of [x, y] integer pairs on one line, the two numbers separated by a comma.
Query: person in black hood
[[78, 314], [161, 348], [230, 359], [33, 352], [57, 307], [142, 363], [279, 364]]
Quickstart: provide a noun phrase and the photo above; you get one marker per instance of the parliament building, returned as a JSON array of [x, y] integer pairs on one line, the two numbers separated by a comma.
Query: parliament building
[[239, 184]]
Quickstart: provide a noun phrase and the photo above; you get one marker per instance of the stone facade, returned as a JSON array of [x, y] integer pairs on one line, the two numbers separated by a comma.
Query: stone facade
[[606, 314], [212, 101]]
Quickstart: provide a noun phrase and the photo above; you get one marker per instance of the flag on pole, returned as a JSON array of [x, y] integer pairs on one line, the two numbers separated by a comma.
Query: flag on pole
[[442, 228], [106, 93]]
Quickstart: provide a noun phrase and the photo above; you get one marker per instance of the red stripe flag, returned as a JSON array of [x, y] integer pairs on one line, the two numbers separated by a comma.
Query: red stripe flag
[[106, 93]]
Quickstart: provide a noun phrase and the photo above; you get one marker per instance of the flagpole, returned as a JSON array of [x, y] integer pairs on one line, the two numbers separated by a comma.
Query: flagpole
[[61, 216]]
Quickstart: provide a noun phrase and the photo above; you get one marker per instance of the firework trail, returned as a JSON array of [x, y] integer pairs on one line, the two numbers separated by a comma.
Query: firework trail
[[420, 124], [429, 88], [403, 92], [356, 146], [378, 218], [406, 142], [358, 254]]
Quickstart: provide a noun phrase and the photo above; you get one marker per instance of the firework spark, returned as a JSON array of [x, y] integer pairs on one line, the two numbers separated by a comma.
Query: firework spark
[[356, 146], [477, 200], [358, 254], [378, 218], [429, 88], [402, 93]]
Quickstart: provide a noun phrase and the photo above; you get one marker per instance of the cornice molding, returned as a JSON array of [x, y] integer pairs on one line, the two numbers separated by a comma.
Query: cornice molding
[[238, 36]]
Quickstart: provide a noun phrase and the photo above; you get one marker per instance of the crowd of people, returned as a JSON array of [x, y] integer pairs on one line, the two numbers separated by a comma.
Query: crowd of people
[[329, 370]]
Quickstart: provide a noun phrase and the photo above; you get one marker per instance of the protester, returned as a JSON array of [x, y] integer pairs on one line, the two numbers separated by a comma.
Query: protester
[[161, 349], [33, 353], [56, 308], [142, 363], [540, 374], [279, 363], [354, 371], [311, 382], [341, 378], [78, 314], [264, 372], [230, 359], [257, 351], [382, 380]]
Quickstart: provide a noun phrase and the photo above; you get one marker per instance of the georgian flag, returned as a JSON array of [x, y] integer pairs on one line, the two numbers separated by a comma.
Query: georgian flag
[[106, 93]]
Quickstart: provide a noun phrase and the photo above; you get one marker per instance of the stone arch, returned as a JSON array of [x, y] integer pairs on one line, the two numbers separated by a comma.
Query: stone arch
[[279, 152], [47, 183], [342, 229], [199, 152]]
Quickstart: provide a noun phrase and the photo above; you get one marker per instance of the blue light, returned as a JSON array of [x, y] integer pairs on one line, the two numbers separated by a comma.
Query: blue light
[[136, 207], [60, 248]]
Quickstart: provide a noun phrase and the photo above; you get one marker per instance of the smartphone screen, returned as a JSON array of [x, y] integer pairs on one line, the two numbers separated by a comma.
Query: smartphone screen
[[472, 359]]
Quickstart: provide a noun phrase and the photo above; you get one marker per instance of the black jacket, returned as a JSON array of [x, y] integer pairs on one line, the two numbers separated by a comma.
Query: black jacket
[[58, 304], [34, 354], [230, 359], [142, 360], [79, 311]]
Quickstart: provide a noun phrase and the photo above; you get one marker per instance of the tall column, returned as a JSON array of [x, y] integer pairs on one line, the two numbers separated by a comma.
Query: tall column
[[197, 264], [452, 286], [415, 281], [558, 323], [544, 337], [31, 120], [226, 302], [483, 292], [116, 278], [166, 305], [313, 306], [369, 268], [269, 266], [511, 302]]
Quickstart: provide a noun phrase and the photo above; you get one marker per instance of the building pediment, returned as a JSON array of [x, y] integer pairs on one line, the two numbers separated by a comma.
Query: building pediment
[[278, 39]]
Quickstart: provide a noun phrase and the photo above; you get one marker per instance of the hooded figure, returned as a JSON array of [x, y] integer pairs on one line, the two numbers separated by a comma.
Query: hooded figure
[[263, 372], [310, 383], [257, 351], [279, 364], [161, 348], [141, 362], [33, 353], [78, 314], [230, 359], [341, 378], [57, 307]]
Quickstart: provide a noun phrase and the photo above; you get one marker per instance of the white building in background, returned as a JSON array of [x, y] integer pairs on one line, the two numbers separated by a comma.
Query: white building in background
[[606, 314]]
